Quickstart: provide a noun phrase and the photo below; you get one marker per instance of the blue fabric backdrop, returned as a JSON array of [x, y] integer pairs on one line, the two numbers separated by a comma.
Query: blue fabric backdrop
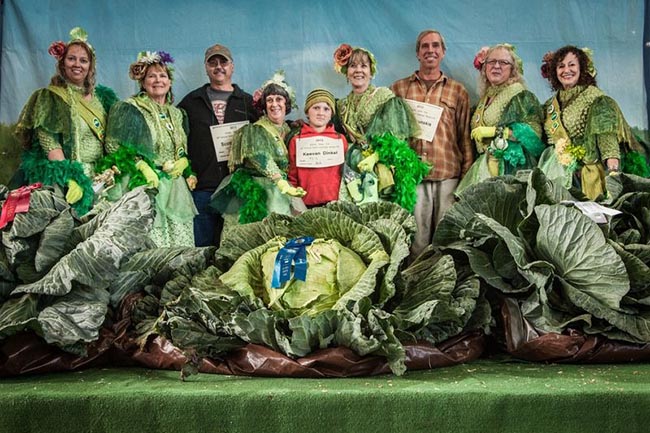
[[300, 38]]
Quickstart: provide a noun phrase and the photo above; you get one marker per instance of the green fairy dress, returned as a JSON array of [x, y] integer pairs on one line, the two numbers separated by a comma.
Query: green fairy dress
[[140, 128], [258, 158], [586, 127], [59, 117], [376, 121], [514, 107]]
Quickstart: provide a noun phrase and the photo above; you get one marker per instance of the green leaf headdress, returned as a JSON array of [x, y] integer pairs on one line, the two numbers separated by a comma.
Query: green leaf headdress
[[591, 68], [77, 35]]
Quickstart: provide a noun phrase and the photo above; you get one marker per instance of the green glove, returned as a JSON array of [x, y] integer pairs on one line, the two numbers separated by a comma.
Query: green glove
[[368, 163], [286, 188], [177, 167], [74, 193], [481, 132], [148, 173]]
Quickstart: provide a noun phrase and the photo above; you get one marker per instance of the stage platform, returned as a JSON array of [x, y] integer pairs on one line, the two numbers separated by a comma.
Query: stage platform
[[482, 396]]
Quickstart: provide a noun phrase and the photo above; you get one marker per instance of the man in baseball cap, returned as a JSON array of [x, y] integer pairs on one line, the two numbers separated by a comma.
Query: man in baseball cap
[[218, 50], [218, 102]]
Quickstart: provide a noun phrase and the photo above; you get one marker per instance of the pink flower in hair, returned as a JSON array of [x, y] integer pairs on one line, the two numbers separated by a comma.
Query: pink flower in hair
[[480, 57], [57, 49]]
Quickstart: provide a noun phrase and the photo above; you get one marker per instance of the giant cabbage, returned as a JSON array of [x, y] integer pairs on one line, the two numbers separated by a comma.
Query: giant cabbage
[[358, 292], [527, 241], [56, 270]]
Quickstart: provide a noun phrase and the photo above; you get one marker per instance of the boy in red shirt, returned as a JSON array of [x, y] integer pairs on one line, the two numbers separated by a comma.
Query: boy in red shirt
[[317, 151]]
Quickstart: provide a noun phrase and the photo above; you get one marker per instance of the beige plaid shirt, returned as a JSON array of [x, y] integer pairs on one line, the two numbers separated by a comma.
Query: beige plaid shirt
[[451, 151]]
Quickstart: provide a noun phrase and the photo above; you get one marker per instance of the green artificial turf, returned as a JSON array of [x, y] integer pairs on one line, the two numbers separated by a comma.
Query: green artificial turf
[[484, 396]]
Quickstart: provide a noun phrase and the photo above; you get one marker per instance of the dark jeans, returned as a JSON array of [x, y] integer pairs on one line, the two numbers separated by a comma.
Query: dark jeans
[[207, 224]]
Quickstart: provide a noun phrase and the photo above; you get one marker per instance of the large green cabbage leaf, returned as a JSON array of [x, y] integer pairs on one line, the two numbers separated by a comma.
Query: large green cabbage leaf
[[60, 286]]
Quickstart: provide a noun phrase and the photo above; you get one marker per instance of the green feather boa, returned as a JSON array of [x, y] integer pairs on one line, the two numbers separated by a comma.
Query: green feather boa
[[106, 96], [635, 163], [252, 195], [40, 169], [125, 159], [409, 169]]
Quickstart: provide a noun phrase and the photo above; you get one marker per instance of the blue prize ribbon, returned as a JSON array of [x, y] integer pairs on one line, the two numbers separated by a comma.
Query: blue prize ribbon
[[294, 251]]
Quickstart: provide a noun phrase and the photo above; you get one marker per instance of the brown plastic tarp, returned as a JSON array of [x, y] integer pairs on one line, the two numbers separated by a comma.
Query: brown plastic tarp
[[525, 342], [26, 353]]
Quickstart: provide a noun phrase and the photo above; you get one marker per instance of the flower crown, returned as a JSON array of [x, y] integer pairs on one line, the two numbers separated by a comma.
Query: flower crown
[[546, 61], [278, 79], [77, 34], [147, 58], [481, 55], [342, 58]]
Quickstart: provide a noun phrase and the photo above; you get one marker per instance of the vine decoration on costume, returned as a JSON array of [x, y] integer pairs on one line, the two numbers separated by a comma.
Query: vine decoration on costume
[[342, 57], [148, 58], [279, 79], [77, 34]]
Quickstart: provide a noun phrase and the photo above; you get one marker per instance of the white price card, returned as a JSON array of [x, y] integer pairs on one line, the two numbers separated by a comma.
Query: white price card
[[319, 152], [427, 116], [222, 138]]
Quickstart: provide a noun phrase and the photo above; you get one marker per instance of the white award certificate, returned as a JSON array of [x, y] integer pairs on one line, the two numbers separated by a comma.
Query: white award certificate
[[222, 138], [319, 152], [428, 116]]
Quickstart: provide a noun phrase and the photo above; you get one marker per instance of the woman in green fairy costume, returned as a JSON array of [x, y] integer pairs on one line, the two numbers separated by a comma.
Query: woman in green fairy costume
[[147, 141], [379, 163], [259, 162], [507, 122], [586, 128], [62, 126]]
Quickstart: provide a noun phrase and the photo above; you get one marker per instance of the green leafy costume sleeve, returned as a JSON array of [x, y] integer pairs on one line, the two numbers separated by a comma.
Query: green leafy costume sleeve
[[524, 116], [127, 125], [394, 116], [128, 139], [254, 147], [604, 130], [45, 111], [47, 117], [524, 107]]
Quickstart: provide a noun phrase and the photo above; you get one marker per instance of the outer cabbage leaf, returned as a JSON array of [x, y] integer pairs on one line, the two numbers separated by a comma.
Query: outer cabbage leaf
[[75, 317], [18, 314], [395, 241], [96, 261], [636, 326], [581, 255], [499, 199]]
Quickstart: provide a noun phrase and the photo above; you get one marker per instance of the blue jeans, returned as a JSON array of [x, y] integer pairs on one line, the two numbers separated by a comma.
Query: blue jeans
[[207, 224]]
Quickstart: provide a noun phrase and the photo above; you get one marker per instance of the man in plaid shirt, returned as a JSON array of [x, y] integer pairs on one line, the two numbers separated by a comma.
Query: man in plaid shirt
[[450, 151]]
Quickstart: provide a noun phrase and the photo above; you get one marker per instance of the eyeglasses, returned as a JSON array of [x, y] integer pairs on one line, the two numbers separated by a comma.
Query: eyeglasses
[[495, 62], [218, 62]]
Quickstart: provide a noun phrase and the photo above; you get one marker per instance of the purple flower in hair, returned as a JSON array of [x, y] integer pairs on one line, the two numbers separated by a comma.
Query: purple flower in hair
[[165, 57]]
